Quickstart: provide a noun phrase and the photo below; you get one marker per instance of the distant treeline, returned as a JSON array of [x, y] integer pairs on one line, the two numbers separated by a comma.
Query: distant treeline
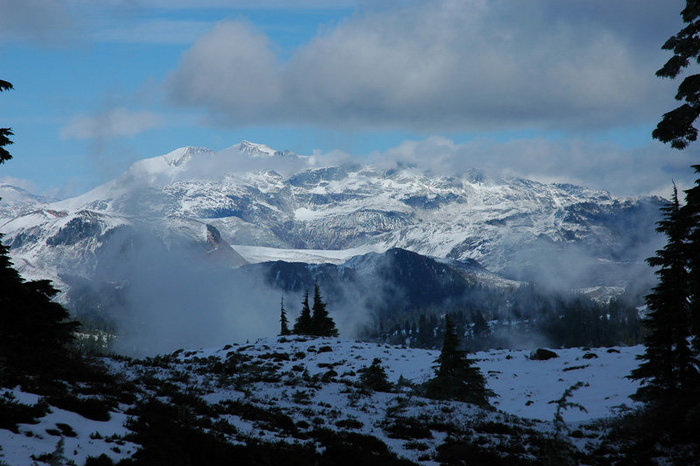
[[516, 319]]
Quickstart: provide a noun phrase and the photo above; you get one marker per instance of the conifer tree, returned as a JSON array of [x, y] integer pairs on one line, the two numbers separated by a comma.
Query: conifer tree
[[676, 127], [691, 215], [35, 333], [374, 377], [456, 376], [5, 133], [321, 322], [481, 327], [302, 326], [669, 366], [284, 322]]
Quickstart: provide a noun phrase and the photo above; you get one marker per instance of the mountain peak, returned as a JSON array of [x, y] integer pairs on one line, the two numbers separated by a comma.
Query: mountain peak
[[183, 154], [11, 195], [256, 150], [169, 163]]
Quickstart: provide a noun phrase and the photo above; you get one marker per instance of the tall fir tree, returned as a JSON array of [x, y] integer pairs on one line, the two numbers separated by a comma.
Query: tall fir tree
[[691, 215], [456, 376], [668, 369], [302, 326], [5, 133], [669, 374], [676, 127], [321, 322], [35, 332], [284, 322]]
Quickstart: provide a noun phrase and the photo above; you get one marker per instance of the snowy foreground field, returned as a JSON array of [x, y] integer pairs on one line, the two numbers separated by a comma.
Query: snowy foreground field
[[278, 390]]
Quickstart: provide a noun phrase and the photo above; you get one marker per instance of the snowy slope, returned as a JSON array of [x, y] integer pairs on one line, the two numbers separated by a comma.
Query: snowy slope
[[15, 201], [314, 381], [516, 379], [42, 438]]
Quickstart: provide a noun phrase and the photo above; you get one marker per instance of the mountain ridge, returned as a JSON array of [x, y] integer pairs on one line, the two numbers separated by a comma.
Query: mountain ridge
[[258, 196]]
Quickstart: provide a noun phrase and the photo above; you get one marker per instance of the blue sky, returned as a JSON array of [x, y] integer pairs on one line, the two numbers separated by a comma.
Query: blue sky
[[558, 90]]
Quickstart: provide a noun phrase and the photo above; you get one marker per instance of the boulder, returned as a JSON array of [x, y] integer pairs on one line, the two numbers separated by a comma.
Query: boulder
[[541, 354]]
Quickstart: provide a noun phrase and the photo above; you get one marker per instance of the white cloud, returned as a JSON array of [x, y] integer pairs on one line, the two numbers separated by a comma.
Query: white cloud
[[229, 68], [599, 165], [58, 22], [110, 124], [157, 31], [240, 4], [40, 21], [443, 64]]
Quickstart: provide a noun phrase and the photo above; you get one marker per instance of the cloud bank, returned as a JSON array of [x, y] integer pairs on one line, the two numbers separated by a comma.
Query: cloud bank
[[444, 64], [46, 22], [622, 171], [112, 123], [599, 165], [167, 294]]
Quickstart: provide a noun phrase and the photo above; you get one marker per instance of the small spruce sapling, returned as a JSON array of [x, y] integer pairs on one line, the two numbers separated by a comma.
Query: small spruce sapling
[[374, 377], [558, 450], [284, 322], [563, 404], [457, 377]]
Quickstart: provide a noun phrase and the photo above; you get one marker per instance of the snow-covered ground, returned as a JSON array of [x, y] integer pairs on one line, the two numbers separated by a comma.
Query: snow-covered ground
[[88, 437], [314, 380], [524, 386]]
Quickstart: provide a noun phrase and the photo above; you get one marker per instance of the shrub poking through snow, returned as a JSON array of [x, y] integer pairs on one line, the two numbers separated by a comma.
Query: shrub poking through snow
[[13, 412], [374, 377], [563, 404]]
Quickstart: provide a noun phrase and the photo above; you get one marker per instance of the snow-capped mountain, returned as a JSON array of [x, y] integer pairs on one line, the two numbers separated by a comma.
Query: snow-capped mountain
[[16, 201], [257, 197]]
